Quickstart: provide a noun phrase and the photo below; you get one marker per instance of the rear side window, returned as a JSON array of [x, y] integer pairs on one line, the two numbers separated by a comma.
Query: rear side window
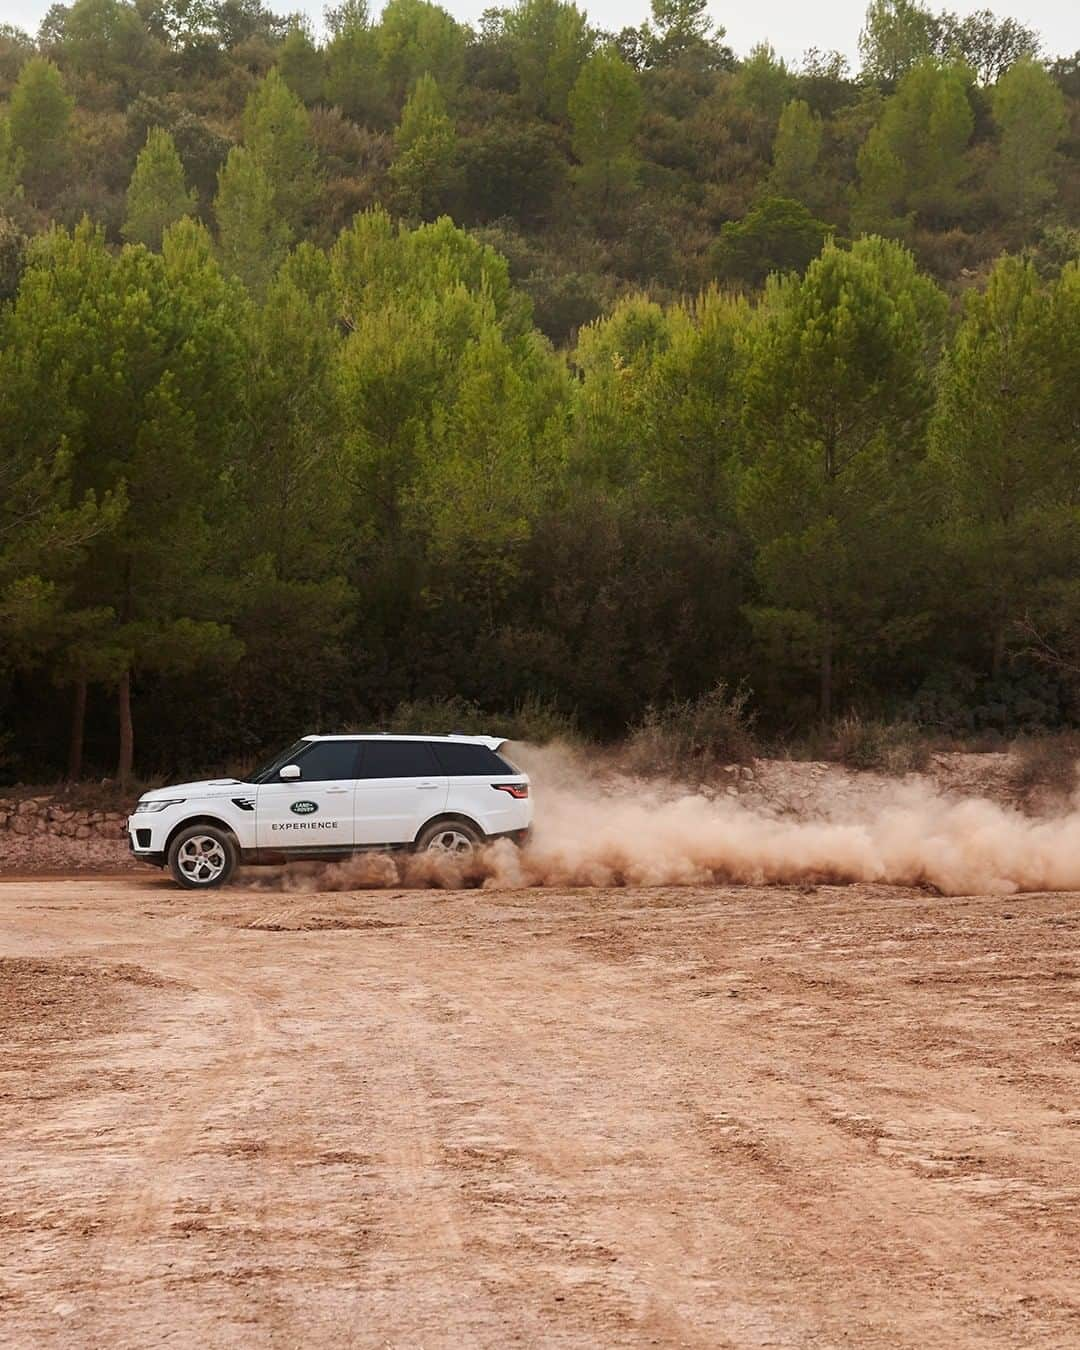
[[397, 759], [473, 760], [327, 760]]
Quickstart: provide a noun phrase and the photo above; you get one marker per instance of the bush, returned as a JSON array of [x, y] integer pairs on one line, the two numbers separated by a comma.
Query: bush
[[693, 738], [1048, 762], [778, 235], [868, 743]]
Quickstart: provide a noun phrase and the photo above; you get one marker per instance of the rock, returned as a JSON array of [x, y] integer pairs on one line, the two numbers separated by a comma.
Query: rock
[[22, 824], [732, 791], [28, 807], [83, 832]]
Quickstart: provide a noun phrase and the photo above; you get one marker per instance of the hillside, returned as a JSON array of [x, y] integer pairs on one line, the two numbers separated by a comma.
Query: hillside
[[561, 373]]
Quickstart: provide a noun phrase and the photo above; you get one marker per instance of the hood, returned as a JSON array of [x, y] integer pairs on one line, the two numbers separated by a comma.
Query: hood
[[210, 787]]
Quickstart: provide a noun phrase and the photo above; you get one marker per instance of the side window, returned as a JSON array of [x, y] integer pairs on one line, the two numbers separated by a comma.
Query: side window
[[397, 759], [328, 760], [475, 760]]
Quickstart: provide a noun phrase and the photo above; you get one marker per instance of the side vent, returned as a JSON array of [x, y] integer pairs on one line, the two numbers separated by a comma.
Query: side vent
[[244, 803]]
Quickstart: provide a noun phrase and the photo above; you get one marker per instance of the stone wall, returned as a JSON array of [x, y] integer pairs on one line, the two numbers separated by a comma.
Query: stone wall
[[46, 832], [47, 815]]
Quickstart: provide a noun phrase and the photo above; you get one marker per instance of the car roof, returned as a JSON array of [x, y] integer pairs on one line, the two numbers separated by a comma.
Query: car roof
[[452, 737]]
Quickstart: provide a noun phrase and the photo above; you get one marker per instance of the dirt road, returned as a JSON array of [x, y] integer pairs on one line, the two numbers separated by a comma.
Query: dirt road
[[775, 1117]]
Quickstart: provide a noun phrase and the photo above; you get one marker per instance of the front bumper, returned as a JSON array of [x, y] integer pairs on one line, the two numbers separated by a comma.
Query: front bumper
[[141, 843]]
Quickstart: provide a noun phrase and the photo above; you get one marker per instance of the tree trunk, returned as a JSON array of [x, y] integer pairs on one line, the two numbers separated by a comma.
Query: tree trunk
[[826, 678], [78, 732], [997, 655], [127, 733]]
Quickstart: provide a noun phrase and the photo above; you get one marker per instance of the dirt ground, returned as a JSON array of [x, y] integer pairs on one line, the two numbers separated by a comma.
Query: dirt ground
[[741, 1117]]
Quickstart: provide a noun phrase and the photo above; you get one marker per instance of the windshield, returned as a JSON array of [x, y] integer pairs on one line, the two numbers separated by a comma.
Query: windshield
[[268, 769]]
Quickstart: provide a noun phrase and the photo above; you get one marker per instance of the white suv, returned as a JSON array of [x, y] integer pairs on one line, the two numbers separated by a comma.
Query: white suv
[[326, 797]]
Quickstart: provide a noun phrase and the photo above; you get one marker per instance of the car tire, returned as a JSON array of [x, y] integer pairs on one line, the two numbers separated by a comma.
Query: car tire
[[455, 838], [203, 856]]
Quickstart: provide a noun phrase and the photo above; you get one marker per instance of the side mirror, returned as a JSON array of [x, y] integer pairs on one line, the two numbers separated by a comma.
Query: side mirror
[[289, 771]]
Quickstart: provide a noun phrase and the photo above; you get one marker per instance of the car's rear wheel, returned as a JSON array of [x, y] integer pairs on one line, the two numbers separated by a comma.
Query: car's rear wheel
[[451, 838], [202, 856]]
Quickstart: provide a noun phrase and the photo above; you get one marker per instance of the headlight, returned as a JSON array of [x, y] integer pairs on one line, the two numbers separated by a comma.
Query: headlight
[[157, 805]]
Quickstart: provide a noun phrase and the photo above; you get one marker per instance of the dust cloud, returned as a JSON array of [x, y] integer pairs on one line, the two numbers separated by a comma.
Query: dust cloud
[[596, 827]]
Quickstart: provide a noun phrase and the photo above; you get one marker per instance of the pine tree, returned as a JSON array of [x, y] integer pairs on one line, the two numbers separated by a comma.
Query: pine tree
[[838, 391], [913, 164], [897, 36], [40, 120], [252, 235], [302, 64], [417, 38], [1005, 447], [425, 169], [277, 135], [1029, 110], [157, 195], [605, 110], [549, 42], [796, 149], [10, 163]]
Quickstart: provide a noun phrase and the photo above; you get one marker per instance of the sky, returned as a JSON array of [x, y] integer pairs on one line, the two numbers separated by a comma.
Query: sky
[[790, 25]]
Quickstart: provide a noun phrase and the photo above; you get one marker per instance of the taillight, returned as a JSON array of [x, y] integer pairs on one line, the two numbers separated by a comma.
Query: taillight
[[516, 790]]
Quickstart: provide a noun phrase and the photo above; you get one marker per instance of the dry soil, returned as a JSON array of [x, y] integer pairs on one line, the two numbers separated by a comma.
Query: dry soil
[[715, 1117]]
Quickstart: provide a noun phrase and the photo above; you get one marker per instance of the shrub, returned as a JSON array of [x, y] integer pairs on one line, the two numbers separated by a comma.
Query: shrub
[[693, 738], [1048, 762], [868, 743]]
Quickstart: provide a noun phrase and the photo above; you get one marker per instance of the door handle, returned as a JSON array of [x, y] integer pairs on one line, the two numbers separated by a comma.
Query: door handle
[[422, 787], [329, 790]]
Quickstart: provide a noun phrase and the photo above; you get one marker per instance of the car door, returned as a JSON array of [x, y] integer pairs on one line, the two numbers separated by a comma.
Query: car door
[[314, 811], [400, 786]]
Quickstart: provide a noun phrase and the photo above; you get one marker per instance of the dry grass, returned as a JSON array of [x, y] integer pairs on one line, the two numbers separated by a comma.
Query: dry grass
[[1046, 764], [692, 738]]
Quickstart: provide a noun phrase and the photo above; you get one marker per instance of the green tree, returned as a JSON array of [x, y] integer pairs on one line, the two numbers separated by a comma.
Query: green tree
[[354, 79], [985, 44], [290, 495], [495, 446], [10, 163], [107, 40], [302, 64], [913, 164], [253, 237], [550, 42], [605, 110], [796, 150], [40, 120], [1005, 447], [1029, 110], [417, 38], [277, 135], [426, 169], [763, 82], [138, 354], [157, 195], [897, 35], [778, 235], [839, 388], [682, 33]]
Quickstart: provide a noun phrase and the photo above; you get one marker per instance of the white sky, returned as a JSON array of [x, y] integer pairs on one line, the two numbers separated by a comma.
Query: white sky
[[790, 25]]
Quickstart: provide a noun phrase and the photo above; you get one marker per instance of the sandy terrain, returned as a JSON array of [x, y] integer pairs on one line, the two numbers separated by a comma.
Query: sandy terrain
[[709, 1117]]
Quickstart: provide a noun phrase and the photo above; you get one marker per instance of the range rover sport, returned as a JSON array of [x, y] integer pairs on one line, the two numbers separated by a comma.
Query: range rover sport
[[327, 797]]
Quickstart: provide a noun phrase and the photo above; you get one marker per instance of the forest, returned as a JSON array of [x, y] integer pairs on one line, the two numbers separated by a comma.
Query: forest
[[547, 374]]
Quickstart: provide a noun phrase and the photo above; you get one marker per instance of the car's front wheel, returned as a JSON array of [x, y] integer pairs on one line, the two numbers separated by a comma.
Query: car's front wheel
[[452, 838], [202, 856]]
